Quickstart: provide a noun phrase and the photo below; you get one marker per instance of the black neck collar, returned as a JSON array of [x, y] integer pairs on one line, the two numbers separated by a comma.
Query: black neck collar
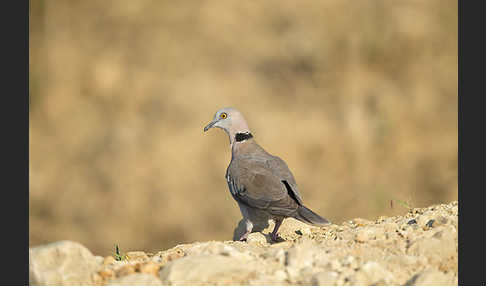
[[242, 136]]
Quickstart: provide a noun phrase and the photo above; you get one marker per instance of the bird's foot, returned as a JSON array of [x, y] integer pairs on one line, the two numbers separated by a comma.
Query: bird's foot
[[275, 237]]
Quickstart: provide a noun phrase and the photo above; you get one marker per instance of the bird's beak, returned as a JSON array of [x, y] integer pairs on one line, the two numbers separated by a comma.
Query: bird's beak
[[209, 126]]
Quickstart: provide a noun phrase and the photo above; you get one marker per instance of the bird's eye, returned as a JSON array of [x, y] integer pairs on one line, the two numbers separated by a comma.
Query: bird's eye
[[223, 115]]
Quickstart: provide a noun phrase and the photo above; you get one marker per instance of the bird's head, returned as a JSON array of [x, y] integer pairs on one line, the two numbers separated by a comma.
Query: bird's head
[[231, 121]]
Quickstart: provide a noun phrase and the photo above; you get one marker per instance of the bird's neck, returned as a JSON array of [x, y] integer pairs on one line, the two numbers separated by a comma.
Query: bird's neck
[[239, 139], [242, 136]]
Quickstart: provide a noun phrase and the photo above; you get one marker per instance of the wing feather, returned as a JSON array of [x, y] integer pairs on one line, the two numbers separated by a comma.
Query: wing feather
[[259, 183]]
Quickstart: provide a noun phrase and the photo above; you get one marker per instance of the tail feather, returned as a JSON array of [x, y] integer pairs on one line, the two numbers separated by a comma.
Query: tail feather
[[306, 215]]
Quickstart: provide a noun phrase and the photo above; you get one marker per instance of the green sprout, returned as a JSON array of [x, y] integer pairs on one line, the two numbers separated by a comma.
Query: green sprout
[[118, 256]]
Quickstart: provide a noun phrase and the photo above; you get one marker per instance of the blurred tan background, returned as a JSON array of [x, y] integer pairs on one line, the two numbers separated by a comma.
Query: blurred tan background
[[358, 97]]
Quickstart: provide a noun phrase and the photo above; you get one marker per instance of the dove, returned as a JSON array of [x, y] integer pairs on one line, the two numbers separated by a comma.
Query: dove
[[262, 184]]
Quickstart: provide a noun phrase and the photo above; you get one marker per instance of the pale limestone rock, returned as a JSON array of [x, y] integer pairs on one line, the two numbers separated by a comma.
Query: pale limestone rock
[[108, 260], [257, 238], [267, 280], [441, 245], [373, 273], [137, 255], [432, 277], [364, 234], [322, 259], [326, 278], [280, 275], [210, 247], [360, 222], [136, 279], [290, 228], [390, 227], [99, 259], [216, 247], [391, 253], [61, 263], [199, 269], [300, 255]]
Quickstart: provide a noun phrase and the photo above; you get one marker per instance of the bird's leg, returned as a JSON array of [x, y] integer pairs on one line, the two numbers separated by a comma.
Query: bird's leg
[[249, 227], [274, 235]]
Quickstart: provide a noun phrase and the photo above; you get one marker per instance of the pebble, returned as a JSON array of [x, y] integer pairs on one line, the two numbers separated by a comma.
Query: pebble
[[326, 278], [136, 255], [412, 221], [109, 260], [257, 238], [136, 279]]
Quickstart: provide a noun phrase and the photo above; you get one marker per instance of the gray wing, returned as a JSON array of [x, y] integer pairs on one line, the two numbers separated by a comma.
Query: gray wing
[[282, 170], [263, 183]]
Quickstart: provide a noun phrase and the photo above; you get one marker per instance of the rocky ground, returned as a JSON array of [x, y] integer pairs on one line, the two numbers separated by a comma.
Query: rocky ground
[[418, 248]]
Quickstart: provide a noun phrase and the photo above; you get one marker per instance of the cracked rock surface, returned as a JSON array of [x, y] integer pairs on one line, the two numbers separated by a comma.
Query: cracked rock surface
[[418, 248]]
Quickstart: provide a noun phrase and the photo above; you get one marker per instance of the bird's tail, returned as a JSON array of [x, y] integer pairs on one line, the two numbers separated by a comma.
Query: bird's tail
[[306, 215]]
